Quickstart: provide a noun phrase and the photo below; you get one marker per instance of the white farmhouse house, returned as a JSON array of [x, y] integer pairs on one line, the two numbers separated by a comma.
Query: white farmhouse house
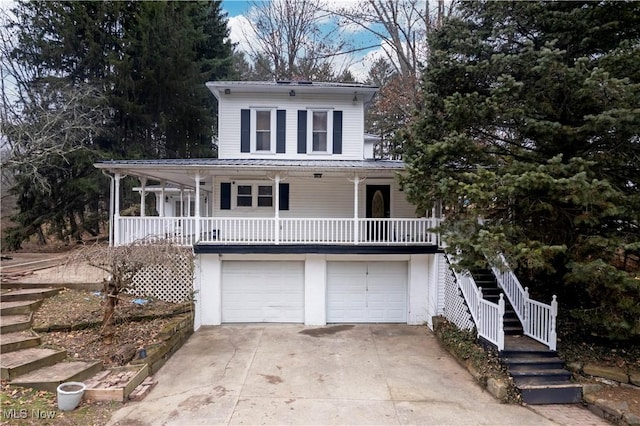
[[297, 222]]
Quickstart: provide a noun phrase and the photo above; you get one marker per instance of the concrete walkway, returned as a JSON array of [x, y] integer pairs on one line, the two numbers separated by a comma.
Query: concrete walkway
[[290, 374]]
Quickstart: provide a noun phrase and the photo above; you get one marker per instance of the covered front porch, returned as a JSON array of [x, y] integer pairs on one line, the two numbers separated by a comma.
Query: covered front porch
[[262, 202], [238, 230]]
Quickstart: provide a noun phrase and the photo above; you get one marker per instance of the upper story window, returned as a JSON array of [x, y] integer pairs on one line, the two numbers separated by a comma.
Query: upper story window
[[262, 130], [319, 131]]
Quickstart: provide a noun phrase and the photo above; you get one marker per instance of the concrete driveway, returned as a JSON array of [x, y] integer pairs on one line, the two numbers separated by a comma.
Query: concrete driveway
[[291, 374]]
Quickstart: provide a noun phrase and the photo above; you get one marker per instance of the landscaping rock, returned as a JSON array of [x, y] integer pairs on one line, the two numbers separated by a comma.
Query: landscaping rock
[[474, 372], [631, 419], [498, 388], [634, 378], [590, 388], [575, 367], [590, 398], [611, 373], [613, 410]]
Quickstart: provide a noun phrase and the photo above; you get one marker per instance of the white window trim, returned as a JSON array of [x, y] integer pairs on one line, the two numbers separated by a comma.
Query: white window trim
[[254, 195], [253, 120], [329, 130]]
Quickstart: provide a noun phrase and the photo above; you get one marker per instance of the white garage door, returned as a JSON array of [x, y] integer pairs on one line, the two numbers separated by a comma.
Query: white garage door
[[262, 291], [367, 292]]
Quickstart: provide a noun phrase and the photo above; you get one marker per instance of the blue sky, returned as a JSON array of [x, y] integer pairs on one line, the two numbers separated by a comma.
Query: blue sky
[[235, 7], [360, 61]]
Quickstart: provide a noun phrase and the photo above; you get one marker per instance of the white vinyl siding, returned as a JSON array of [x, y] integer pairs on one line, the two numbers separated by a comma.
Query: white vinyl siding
[[262, 291], [329, 196], [229, 123]]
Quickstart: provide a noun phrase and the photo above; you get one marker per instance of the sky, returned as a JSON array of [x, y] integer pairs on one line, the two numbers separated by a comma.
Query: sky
[[359, 62]]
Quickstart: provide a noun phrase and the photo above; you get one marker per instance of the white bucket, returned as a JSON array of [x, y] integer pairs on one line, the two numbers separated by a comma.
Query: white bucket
[[69, 395]]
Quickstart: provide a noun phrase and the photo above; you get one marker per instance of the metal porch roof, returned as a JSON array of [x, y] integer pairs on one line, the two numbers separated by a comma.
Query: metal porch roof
[[181, 171]]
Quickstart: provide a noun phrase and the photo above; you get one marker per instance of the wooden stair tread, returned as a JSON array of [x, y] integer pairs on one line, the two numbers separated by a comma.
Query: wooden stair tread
[[18, 336], [48, 378], [19, 307], [15, 358], [25, 294], [14, 319], [17, 303]]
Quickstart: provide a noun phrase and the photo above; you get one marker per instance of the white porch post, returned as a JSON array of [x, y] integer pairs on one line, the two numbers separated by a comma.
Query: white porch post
[[276, 203], [356, 230], [162, 200], [116, 214], [181, 202], [111, 191], [197, 215], [143, 195]]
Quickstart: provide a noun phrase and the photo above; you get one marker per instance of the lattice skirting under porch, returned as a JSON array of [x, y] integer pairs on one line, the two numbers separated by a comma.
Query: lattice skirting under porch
[[455, 307], [171, 283]]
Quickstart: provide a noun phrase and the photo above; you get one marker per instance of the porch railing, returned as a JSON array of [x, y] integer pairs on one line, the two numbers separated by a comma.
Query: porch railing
[[488, 316], [538, 319], [234, 230]]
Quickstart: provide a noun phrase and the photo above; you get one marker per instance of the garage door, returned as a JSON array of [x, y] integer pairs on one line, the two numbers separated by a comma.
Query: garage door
[[367, 292], [262, 291]]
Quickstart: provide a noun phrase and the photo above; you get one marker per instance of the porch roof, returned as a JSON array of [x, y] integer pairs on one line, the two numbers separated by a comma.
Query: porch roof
[[181, 171]]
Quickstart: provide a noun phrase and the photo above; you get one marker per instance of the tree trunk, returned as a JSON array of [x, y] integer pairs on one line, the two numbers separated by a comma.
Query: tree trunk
[[108, 327], [124, 354]]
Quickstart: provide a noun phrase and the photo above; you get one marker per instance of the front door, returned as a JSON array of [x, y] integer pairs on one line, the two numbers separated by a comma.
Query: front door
[[378, 207]]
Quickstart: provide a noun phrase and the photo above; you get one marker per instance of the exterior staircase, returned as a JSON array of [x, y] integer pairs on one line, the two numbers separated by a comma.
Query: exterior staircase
[[24, 362], [537, 372]]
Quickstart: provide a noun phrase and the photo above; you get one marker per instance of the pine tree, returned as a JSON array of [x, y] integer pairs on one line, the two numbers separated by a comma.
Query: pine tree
[[530, 122], [149, 61]]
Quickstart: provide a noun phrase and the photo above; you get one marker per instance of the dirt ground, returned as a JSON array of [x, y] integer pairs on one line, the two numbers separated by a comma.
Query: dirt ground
[[73, 319], [77, 315]]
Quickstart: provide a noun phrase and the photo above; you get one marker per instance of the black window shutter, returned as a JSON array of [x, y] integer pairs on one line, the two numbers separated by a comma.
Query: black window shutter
[[225, 196], [245, 130], [337, 132], [284, 196], [302, 132], [281, 131]]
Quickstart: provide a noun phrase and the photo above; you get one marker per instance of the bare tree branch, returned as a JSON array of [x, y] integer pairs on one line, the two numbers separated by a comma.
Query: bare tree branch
[[297, 40]]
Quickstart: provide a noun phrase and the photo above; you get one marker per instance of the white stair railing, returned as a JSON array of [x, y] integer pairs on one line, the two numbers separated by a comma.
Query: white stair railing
[[488, 316], [538, 319]]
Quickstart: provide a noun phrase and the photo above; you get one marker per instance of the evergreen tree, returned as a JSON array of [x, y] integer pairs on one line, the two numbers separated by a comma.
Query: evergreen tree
[[149, 62], [530, 122]]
